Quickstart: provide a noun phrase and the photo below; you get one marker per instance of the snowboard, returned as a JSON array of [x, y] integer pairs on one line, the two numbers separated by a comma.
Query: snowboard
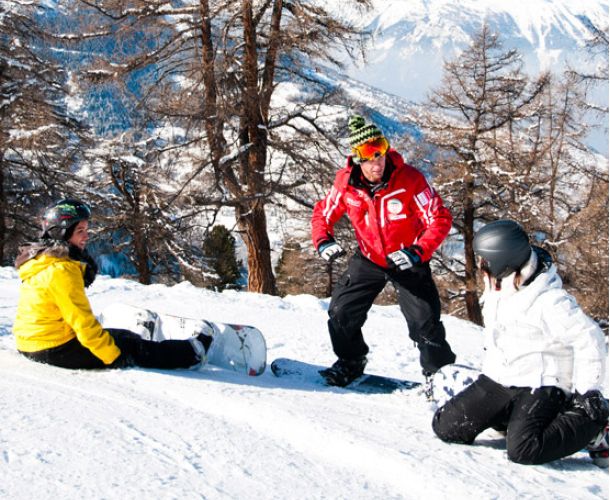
[[450, 380], [302, 372], [240, 348]]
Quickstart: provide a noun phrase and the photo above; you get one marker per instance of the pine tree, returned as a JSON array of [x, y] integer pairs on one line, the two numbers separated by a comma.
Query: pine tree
[[219, 250]]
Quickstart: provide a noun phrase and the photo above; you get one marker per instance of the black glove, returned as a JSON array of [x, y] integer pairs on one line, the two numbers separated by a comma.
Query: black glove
[[594, 404], [330, 250], [123, 361]]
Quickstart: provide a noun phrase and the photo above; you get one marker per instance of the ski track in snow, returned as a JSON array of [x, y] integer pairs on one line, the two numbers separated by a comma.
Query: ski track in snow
[[211, 433]]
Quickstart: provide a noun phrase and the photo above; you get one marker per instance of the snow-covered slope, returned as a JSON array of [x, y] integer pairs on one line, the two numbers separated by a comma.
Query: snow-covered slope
[[217, 435]]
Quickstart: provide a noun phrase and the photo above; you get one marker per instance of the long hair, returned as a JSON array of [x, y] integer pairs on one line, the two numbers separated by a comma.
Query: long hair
[[519, 277]]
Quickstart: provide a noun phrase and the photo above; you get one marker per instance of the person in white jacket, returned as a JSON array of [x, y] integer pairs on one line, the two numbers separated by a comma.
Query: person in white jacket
[[545, 359]]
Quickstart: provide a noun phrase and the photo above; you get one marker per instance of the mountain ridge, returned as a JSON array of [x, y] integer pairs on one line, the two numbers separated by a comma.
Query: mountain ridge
[[411, 40]]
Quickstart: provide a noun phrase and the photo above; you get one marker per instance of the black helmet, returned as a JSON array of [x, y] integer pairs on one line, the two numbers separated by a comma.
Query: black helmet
[[63, 215], [503, 247]]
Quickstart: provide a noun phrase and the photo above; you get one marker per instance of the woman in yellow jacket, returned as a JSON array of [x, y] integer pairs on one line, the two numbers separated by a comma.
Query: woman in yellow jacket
[[55, 323]]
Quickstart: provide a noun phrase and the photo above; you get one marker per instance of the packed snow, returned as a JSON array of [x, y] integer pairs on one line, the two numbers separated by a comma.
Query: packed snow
[[215, 434]]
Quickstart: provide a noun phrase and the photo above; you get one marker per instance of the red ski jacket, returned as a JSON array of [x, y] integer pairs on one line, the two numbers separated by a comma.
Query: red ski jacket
[[404, 211]]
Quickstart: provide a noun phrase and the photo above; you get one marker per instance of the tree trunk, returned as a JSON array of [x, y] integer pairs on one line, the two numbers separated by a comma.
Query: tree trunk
[[253, 224], [141, 250], [144, 274], [251, 215], [473, 308], [2, 211]]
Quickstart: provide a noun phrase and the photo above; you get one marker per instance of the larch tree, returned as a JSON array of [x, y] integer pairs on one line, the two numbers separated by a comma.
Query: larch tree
[[484, 94], [509, 146], [39, 137], [212, 70]]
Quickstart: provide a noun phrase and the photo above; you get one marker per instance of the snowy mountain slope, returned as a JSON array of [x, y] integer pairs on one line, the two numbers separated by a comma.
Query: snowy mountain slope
[[214, 434], [412, 38]]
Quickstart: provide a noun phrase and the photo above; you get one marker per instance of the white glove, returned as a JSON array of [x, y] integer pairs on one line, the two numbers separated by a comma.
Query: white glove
[[403, 259], [330, 251]]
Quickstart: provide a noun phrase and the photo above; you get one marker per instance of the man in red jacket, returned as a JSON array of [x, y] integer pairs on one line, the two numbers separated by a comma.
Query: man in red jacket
[[399, 222]]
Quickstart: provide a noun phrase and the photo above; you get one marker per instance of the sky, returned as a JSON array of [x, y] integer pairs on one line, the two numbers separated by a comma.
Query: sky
[[215, 434]]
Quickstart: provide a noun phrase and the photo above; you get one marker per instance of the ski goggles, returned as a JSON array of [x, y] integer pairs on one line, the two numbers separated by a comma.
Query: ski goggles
[[371, 149]]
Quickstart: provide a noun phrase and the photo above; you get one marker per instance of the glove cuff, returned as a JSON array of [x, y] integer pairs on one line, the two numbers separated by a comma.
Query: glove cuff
[[325, 243], [417, 250]]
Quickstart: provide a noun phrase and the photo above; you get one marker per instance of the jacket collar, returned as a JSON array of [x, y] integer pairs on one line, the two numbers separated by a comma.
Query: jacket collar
[[541, 262]]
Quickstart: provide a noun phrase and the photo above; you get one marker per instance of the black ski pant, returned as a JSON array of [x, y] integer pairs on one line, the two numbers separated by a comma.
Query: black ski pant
[[418, 299], [540, 425], [167, 354]]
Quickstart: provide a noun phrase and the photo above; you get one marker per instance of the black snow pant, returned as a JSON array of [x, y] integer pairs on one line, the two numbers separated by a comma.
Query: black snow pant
[[167, 354], [540, 425], [418, 299]]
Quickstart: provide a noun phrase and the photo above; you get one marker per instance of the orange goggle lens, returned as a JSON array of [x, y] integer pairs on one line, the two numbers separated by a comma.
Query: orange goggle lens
[[372, 149]]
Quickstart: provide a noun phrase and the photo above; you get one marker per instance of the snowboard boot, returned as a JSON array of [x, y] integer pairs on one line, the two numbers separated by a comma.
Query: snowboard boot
[[598, 448], [206, 340], [201, 345], [344, 371]]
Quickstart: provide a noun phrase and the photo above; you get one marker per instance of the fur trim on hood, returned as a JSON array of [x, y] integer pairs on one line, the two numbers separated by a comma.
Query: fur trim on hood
[[32, 250]]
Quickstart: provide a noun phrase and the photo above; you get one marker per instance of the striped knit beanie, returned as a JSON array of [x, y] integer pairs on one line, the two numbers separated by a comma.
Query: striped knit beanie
[[361, 132]]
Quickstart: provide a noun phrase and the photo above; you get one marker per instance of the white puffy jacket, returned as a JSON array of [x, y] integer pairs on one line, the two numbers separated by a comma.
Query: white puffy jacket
[[539, 336]]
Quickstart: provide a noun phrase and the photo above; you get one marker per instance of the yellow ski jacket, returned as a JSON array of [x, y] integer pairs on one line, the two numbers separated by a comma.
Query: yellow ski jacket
[[53, 308]]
